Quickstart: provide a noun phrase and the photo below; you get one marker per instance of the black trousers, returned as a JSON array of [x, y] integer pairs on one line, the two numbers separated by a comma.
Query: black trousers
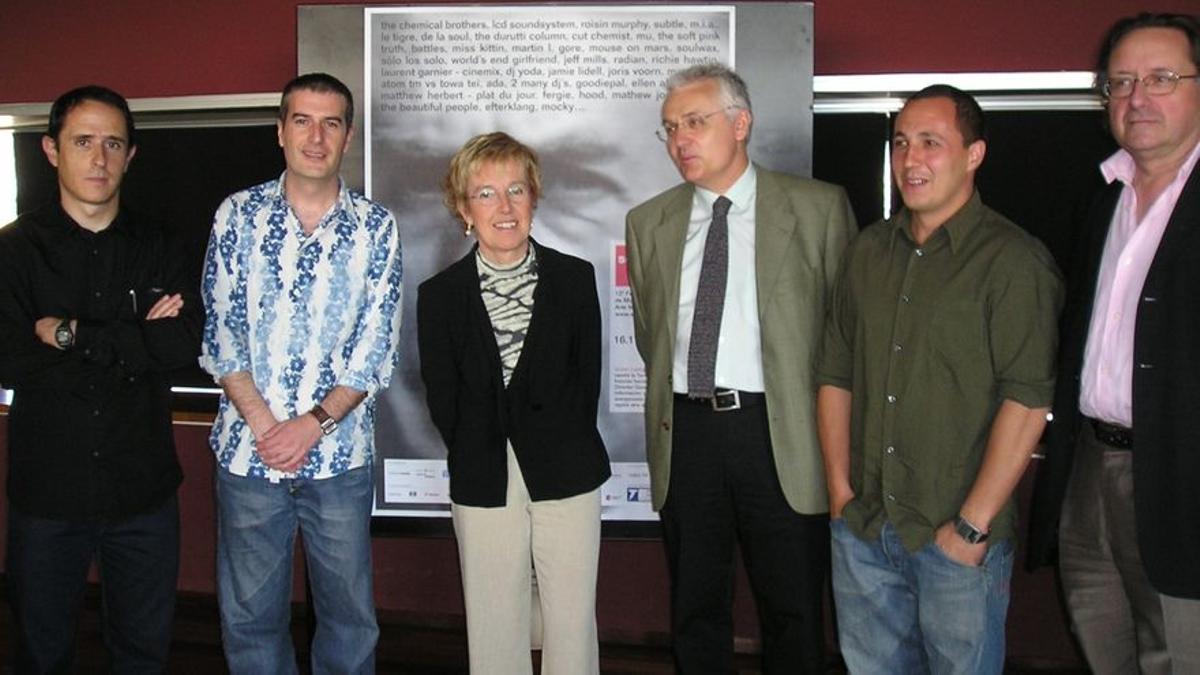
[[47, 569], [724, 488]]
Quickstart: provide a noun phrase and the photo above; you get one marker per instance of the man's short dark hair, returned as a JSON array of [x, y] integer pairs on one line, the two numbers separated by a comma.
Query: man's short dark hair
[[93, 92], [967, 113], [323, 83], [1189, 24]]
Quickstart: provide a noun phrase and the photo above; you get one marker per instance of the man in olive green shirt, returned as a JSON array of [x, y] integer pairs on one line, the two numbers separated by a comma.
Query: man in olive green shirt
[[936, 374]]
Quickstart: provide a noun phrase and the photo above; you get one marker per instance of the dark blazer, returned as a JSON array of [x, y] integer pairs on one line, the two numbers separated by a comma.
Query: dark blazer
[[548, 410], [1166, 398]]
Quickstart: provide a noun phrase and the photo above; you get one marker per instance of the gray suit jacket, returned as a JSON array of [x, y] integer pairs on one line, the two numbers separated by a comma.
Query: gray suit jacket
[[802, 226]]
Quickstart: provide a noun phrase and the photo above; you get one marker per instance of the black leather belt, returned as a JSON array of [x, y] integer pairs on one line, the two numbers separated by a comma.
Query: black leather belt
[[724, 400], [1112, 435]]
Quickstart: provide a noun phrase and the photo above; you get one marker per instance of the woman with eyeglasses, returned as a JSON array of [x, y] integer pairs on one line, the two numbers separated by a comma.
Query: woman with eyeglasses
[[509, 338]]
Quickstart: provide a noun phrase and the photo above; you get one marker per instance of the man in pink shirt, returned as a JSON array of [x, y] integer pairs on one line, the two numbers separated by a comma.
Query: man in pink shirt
[[1120, 488]]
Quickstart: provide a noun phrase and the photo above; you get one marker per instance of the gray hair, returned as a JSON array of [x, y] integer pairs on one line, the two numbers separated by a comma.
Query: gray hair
[[734, 93]]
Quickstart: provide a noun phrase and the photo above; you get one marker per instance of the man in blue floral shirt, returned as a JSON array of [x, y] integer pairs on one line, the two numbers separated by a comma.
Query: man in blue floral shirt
[[302, 289]]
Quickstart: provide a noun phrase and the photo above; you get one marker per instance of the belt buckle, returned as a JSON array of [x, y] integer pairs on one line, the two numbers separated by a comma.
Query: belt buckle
[[1113, 435], [732, 396]]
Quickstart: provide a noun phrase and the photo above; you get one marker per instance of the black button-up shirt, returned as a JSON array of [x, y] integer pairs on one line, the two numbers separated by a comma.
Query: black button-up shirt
[[89, 432]]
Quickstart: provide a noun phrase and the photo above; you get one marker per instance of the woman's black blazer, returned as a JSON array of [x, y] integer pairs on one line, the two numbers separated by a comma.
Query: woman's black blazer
[[548, 410]]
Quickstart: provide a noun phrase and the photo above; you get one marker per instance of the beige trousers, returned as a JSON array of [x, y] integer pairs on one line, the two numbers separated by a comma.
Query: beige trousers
[[496, 547]]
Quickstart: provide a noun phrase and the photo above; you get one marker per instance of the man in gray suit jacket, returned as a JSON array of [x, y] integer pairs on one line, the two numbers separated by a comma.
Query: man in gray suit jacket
[[730, 272]]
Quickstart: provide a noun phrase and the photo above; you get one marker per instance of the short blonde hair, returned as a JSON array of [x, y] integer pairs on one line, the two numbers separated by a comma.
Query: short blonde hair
[[494, 147]]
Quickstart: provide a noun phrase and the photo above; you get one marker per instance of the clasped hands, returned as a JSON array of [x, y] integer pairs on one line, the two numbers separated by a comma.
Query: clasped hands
[[285, 446]]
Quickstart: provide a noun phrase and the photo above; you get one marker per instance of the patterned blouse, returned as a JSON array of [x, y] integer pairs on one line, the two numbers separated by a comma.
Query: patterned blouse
[[508, 297]]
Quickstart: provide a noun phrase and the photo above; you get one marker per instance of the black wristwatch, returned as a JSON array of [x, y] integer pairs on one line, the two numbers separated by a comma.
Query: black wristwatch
[[64, 337], [969, 533], [328, 424]]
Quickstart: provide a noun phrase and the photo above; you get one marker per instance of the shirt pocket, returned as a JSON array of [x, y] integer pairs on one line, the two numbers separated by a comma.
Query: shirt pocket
[[958, 336]]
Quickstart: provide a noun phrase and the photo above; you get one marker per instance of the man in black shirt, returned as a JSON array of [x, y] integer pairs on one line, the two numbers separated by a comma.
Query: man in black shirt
[[93, 314]]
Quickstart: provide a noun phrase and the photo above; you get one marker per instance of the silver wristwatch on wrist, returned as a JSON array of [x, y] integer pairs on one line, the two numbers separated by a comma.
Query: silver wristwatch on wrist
[[328, 424], [968, 531], [64, 337]]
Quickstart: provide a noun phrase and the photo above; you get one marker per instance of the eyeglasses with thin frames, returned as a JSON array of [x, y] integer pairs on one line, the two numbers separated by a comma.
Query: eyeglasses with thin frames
[[1158, 83], [691, 123], [517, 193]]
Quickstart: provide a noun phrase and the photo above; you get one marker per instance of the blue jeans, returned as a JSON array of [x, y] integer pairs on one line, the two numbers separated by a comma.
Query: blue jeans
[[919, 612], [256, 532], [138, 558]]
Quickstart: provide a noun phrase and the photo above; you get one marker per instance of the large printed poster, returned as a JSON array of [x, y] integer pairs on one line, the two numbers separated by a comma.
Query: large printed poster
[[583, 87]]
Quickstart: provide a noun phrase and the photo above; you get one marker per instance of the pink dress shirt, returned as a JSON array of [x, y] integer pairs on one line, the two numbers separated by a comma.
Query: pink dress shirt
[[1106, 387]]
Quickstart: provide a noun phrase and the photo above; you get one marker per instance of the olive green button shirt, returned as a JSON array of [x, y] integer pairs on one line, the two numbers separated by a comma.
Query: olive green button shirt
[[930, 340]]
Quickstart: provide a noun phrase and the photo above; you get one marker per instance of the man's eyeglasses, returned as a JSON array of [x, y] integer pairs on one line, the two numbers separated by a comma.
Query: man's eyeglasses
[[691, 123], [1158, 83], [517, 194]]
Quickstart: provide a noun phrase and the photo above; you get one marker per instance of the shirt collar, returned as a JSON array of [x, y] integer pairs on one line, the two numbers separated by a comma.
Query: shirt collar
[[741, 193], [957, 228], [1120, 166], [524, 265], [64, 224], [343, 201]]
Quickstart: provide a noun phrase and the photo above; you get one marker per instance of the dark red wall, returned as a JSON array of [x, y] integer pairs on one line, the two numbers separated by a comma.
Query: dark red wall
[[148, 48]]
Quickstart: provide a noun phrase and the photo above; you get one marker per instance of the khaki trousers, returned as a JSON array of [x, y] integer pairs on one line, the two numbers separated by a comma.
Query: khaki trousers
[[496, 547]]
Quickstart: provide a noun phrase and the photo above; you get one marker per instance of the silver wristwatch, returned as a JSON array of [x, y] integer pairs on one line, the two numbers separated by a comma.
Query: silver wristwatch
[[64, 337], [328, 424], [968, 531]]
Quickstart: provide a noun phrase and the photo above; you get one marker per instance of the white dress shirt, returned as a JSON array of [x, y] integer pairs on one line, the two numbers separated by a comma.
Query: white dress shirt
[[739, 348]]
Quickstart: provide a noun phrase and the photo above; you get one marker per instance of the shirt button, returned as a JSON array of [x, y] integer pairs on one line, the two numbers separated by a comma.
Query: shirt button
[[891, 497], [95, 453], [891, 450], [891, 398], [97, 294], [896, 348], [920, 252], [96, 413], [904, 299]]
